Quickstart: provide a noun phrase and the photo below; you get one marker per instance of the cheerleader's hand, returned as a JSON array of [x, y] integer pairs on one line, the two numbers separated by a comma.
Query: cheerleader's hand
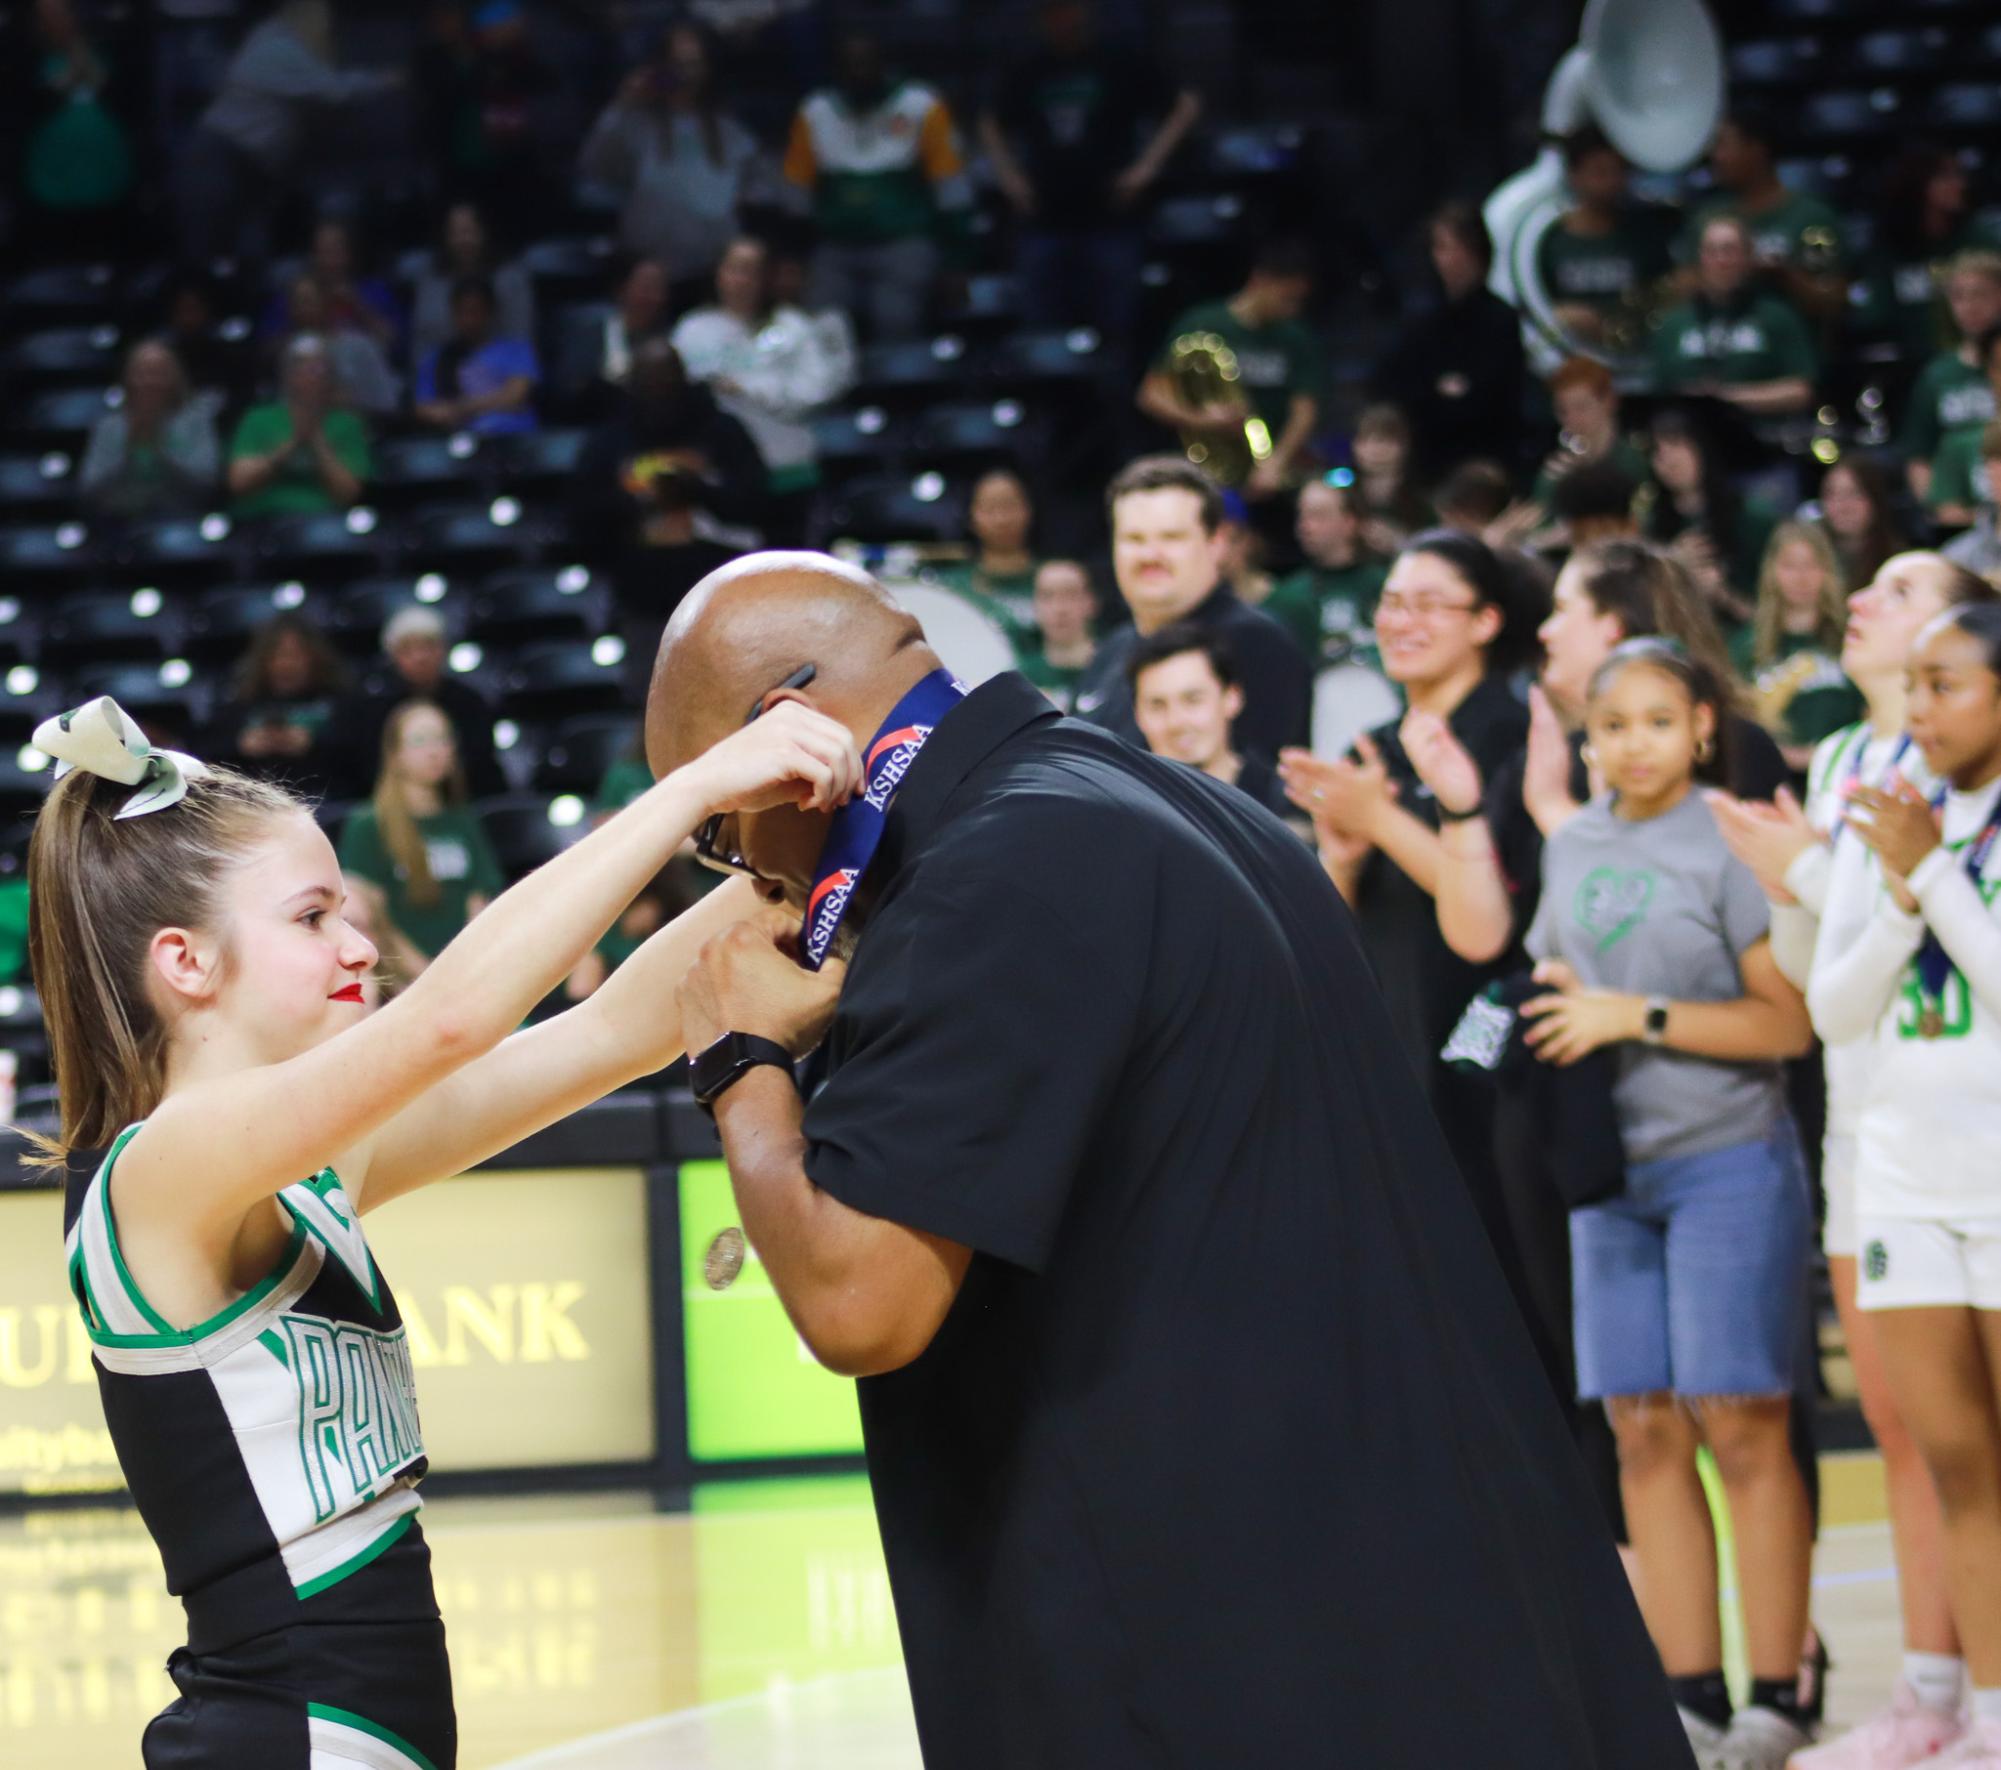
[[1899, 827]]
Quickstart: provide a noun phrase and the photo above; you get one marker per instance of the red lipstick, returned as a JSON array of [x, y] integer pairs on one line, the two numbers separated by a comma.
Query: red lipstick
[[350, 994]]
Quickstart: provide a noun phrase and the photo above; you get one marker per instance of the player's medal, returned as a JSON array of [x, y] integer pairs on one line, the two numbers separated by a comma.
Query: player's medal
[[724, 1260], [1931, 1023]]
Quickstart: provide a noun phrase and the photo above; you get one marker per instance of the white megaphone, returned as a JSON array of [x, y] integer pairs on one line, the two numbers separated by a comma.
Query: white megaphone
[[1650, 74]]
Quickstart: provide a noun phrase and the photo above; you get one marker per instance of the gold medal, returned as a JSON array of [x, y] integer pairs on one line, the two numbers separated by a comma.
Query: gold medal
[[1931, 1023], [724, 1260]]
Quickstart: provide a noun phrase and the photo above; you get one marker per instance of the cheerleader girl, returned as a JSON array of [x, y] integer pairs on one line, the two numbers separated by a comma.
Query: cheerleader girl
[[1922, 982], [1818, 874], [205, 1005], [1689, 1285]]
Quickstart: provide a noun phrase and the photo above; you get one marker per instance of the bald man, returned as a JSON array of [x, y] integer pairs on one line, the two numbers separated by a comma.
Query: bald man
[[1201, 1428]]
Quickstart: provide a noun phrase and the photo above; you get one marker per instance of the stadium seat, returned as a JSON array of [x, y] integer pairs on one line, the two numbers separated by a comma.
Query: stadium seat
[[181, 549], [896, 509], [522, 832], [1197, 224], [537, 463], [532, 603], [575, 754], [68, 356], [20, 643], [1247, 153], [913, 374], [322, 546], [44, 556], [971, 437], [219, 624], [469, 538], [37, 485], [566, 270], [109, 628], [411, 470], [167, 706], [21, 788], [58, 418], [1891, 54], [1966, 106], [1049, 359], [865, 439], [992, 306], [15, 830], [1787, 61], [355, 614], [557, 678], [574, 348], [58, 295], [1849, 114]]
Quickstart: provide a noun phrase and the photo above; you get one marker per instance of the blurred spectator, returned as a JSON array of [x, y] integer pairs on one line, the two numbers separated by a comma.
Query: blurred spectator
[[999, 577], [238, 164], [482, 381], [349, 300], [1601, 260], [625, 779], [1731, 341], [1472, 497], [1186, 699], [418, 851], [680, 161], [1793, 239], [1856, 509], [414, 655], [676, 887], [879, 162], [282, 719], [1458, 371], [76, 171], [465, 249], [214, 353], [1167, 555], [362, 375], [299, 452], [1329, 604], [1952, 391], [1593, 504], [1278, 363], [1927, 219], [1791, 652], [1393, 505], [1077, 135], [1243, 553], [1979, 549], [1066, 608], [1586, 403], [1957, 489], [157, 454], [790, 261], [1715, 533], [768, 367], [666, 488], [640, 312], [478, 82]]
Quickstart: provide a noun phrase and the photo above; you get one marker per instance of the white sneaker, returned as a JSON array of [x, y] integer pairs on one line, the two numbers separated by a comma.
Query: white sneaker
[[1705, 1738], [1899, 1737], [1760, 1739], [1979, 1748]]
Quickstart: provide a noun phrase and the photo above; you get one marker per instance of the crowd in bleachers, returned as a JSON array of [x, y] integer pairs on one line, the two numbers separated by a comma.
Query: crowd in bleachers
[[374, 386]]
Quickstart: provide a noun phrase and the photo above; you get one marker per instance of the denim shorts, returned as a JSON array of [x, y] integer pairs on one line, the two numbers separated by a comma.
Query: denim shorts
[[1693, 1281]]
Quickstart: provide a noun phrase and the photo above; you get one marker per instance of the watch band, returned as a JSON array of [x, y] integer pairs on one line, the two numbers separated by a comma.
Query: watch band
[[1654, 1025], [1448, 816], [728, 1061]]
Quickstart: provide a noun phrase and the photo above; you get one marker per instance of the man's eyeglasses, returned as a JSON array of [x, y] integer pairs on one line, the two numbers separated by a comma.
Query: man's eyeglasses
[[708, 839]]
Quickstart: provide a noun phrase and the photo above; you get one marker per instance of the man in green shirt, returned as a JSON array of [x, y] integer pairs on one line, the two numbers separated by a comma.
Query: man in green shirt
[[1329, 604], [1732, 342], [1603, 255], [1795, 238], [1952, 391], [299, 453], [1278, 365]]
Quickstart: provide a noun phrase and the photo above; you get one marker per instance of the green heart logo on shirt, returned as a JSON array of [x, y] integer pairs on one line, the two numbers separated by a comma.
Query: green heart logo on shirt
[[1610, 904]]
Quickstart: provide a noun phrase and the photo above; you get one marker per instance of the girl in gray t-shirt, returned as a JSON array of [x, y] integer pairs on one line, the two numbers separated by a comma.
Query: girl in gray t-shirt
[[1689, 1286]]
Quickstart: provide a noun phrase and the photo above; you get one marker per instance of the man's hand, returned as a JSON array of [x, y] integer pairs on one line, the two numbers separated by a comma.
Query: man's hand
[[1766, 838], [749, 980]]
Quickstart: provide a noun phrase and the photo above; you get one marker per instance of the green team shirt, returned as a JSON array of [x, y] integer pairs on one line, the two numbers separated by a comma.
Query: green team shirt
[[1276, 363], [296, 487], [1761, 339], [1959, 471], [1604, 272], [1008, 596], [623, 782], [1623, 454], [1906, 296], [1058, 681], [462, 861], [1801, 230], [1823, 699], [1949, 394], [1320, 604]]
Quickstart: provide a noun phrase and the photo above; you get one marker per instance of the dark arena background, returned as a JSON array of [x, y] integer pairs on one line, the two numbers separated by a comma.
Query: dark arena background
[[356, 354]]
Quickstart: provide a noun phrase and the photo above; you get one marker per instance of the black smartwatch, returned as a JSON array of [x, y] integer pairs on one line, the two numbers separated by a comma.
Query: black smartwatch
[[1446, 815], [728, 1061]]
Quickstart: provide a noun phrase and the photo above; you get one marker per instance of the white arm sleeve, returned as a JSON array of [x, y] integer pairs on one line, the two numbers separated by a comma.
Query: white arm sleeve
[[1958, 915], [1807, 878], [1848, 991], [1793, 933]]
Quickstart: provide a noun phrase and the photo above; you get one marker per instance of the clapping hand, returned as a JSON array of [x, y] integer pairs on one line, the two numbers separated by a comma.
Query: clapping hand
[[1574, 1021], [1546, 773], [1441, 761], [1898, 827], [1343, 798], [1766, 838]]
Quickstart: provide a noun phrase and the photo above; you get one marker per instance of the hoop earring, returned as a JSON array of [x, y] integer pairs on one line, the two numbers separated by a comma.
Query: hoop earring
[[1705, 750], [1589, 754]]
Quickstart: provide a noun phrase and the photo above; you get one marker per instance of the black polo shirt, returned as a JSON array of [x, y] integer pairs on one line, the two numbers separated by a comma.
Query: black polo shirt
[[1233, 1406], [1276, 678]]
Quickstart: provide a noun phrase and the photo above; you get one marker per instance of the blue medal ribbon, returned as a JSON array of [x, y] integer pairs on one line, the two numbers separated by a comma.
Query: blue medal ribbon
[[857, 828], [1853, 774], [1934, 964]]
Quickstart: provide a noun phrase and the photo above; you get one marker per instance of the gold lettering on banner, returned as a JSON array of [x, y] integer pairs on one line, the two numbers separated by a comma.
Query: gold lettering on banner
[[19, 1367], [511, 1324]]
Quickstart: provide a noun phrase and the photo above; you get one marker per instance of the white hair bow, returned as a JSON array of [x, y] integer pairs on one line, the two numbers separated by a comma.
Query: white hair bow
[[100, 738]]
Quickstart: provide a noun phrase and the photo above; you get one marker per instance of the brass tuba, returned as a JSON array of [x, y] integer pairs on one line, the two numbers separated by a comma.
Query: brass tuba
[[1204, 371]]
